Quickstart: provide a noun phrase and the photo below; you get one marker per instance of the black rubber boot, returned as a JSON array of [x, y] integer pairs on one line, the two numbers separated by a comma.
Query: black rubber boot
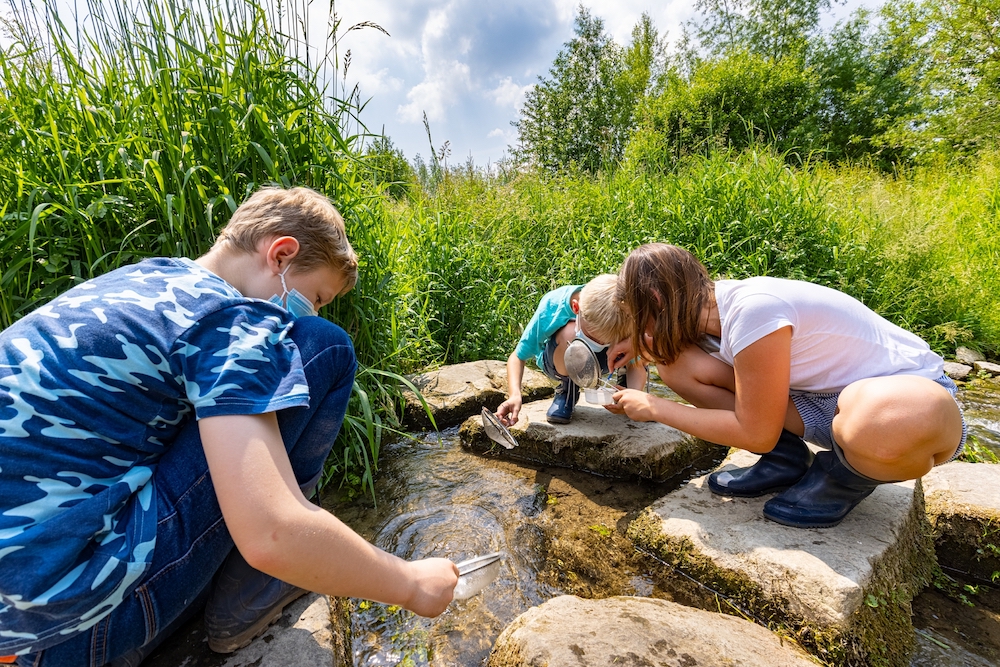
[[823, 497], [776, 470], [243, 603], [561, 410]]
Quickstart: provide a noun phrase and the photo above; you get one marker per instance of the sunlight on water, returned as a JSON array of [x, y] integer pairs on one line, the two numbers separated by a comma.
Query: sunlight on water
[[437, 500]]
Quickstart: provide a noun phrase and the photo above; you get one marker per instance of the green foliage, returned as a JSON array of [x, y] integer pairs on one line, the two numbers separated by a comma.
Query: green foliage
[[772, 29], [582, 114], [956, 69], [866, 88], [734, 102], [388, 167]]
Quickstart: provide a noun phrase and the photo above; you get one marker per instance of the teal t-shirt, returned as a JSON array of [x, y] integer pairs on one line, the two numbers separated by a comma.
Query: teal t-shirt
[[552, 314]]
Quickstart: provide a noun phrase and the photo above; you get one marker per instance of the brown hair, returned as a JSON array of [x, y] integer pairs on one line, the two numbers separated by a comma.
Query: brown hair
[[602, 310], [670, 286], [304, 214]]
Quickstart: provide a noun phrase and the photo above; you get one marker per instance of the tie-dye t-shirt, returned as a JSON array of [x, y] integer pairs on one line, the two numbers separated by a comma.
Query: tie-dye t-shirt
[[94, 387]]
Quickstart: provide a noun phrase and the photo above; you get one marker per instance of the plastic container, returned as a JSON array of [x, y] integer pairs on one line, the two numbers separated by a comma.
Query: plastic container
[[600, 396]]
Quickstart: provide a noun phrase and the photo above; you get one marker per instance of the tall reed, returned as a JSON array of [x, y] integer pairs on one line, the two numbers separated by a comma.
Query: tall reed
[[136, 129]]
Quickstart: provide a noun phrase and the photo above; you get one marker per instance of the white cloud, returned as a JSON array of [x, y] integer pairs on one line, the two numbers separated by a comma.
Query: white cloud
[[444, 83], [509, 94]]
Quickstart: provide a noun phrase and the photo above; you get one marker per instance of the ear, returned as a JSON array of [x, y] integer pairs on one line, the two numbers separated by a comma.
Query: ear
[[280, 251], [574, 303]]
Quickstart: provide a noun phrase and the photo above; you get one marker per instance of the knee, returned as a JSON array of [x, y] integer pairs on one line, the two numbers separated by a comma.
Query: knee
[[313, 335]]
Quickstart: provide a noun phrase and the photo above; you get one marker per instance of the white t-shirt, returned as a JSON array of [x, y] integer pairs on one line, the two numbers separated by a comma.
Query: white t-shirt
[[836, 339]]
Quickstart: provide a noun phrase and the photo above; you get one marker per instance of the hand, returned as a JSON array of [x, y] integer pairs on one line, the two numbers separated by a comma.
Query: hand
[[638, 405], [508, 411], [615, 408], [434, 581]]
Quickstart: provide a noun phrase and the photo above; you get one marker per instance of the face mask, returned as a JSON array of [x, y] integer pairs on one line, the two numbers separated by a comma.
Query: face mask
[[292, 300], [594, 346]]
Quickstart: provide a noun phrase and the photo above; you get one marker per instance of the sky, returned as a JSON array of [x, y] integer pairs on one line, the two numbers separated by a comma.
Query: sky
[[467, 64]]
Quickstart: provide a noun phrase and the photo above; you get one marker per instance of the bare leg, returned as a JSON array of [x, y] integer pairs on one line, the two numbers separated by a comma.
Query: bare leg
[[895, 428], [705, 382], [563, 338]]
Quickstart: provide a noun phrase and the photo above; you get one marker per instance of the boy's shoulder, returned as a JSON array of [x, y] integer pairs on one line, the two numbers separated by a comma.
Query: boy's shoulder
[[561, 295]]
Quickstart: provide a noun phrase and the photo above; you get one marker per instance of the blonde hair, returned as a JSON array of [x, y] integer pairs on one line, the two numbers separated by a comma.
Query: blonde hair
[[304, 214], [602, 310]]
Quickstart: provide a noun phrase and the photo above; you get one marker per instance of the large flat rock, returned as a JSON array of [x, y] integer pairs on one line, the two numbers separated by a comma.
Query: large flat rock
[[597, 441], [963, 507], [455, 392], [844, 592], [568, 630]]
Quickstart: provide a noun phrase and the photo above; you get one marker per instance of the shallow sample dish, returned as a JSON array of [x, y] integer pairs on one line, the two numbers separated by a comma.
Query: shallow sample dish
[[600, 396], [476, 574]]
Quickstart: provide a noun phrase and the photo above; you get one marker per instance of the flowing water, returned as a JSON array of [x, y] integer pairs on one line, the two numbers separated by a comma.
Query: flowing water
[[980, 401], [561, 533]]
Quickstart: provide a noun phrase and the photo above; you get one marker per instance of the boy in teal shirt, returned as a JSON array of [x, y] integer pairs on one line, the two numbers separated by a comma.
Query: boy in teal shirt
[[564, 314]]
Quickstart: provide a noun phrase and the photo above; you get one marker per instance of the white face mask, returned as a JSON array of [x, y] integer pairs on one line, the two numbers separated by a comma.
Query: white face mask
[[590, 342], [293, 301]]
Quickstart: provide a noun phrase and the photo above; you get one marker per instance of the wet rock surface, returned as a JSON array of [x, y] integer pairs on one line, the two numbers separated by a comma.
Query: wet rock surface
[[596, 441], [569, 630], [844, 591], [457, 391], [963, 507]]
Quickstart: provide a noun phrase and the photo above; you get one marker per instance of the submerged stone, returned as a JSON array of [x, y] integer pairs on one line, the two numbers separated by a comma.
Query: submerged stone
[[596, 441], [963, 507], [568, 630], [843, 592], [457, 391]]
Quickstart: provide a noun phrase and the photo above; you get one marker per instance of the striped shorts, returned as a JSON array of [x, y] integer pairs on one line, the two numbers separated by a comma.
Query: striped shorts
[[817, 411]]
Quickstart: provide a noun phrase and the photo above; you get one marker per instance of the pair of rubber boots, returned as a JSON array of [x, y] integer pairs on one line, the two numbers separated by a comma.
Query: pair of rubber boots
[[816, 492]]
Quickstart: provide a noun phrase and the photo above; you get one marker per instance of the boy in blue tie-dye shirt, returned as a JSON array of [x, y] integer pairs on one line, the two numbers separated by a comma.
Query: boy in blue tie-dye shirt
[[152, 417]]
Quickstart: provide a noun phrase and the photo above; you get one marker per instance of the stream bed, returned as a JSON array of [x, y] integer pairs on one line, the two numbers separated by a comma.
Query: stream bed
[[562, 532]]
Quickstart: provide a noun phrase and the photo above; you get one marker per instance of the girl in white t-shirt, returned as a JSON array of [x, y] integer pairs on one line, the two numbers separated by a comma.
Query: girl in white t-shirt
[[766, 362]]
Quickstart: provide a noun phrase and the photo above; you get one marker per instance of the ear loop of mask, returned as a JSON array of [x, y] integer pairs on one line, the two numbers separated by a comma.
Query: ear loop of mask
[[292, 300]]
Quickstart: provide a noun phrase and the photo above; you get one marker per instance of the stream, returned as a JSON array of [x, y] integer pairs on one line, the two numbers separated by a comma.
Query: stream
[[562, 533]]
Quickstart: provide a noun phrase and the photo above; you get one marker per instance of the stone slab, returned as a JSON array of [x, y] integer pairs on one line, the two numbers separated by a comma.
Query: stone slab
[[313, 630], [458, 391], [597, 441], [568, 630], [844, 592], [963, 507], [957, 371]]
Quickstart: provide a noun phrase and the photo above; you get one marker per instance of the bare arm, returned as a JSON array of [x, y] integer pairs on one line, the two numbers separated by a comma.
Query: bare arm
[[762, 374], [282, 534], [509, 409]]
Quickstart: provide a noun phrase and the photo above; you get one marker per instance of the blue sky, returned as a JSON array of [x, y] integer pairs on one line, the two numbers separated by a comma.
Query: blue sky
[[468, 63]]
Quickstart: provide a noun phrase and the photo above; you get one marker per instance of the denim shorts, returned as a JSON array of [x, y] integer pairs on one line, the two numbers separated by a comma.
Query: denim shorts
[[817, 412]]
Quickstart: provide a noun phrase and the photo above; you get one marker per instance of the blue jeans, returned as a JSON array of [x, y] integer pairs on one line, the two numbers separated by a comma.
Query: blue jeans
[[191, 536]]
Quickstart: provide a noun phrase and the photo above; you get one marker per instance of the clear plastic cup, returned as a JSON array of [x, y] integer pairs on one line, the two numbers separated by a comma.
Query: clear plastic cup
[[600, 395]]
